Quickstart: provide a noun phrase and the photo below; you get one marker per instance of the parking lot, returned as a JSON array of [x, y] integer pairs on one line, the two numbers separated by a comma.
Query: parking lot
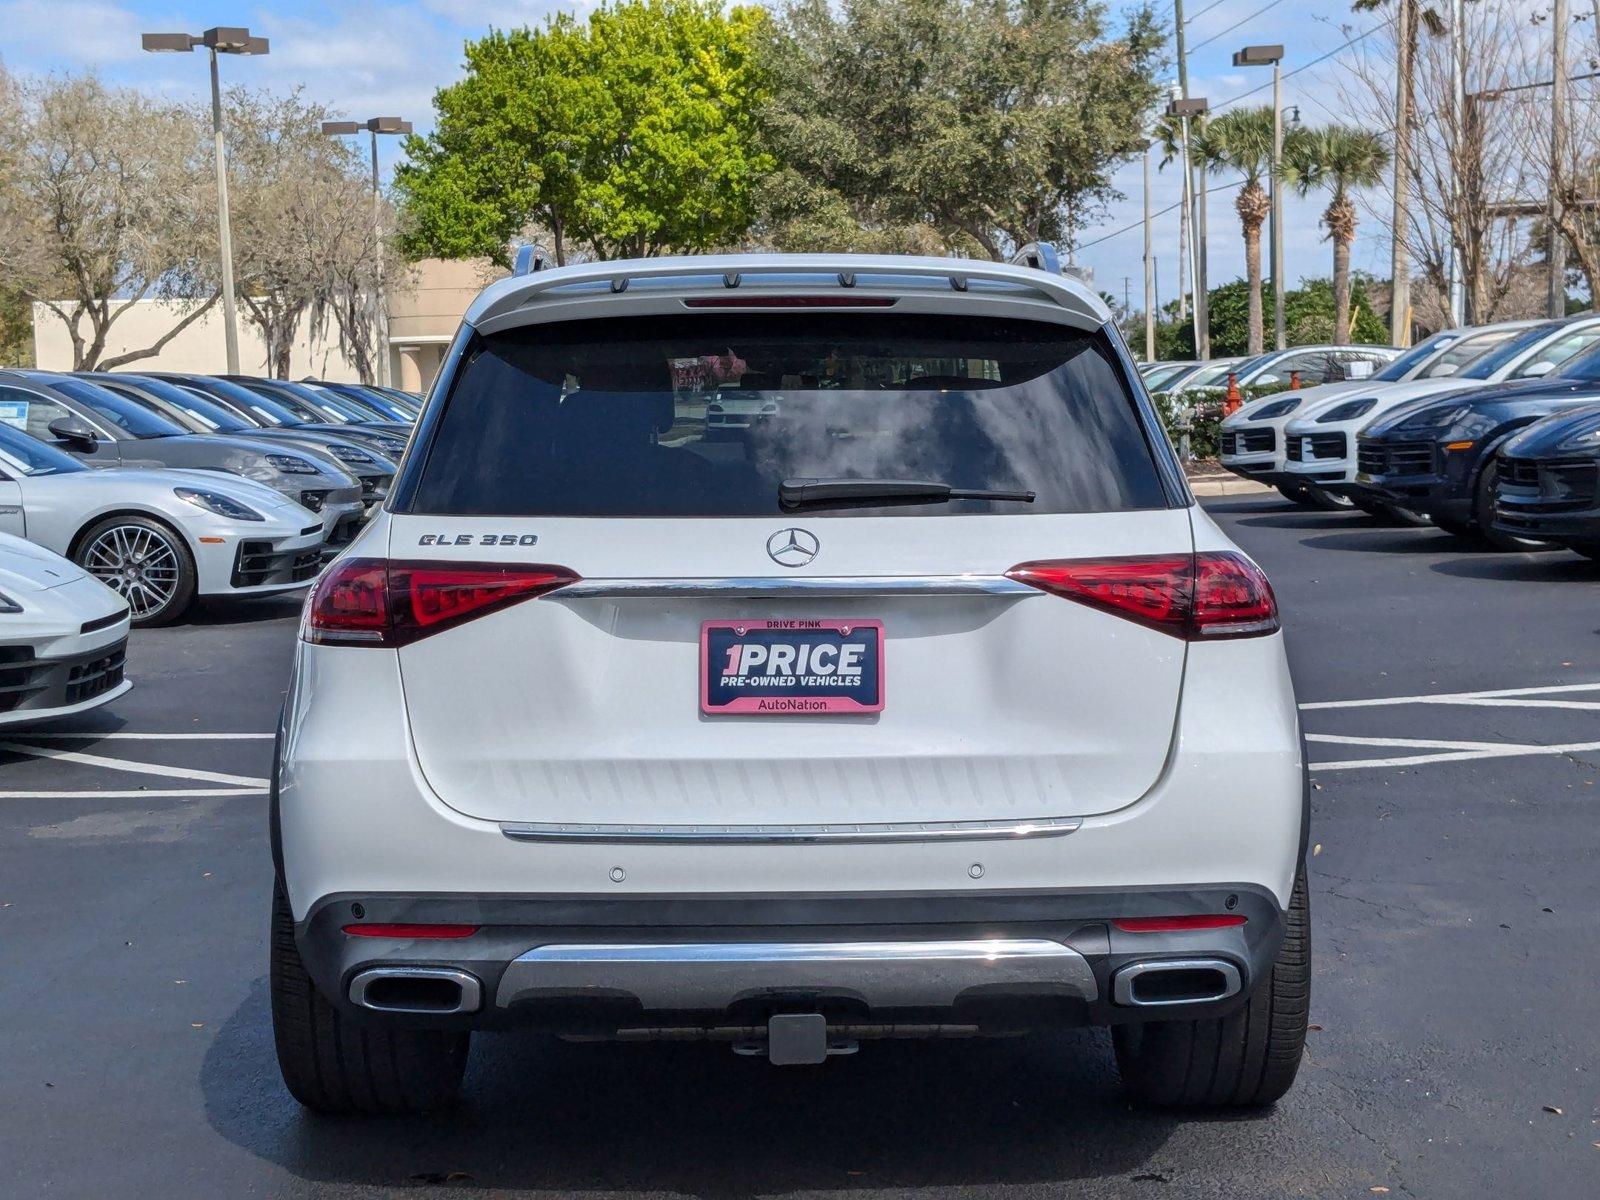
[[1451, 699]]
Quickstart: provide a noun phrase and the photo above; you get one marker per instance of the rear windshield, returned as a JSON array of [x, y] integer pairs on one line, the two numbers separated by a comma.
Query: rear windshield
[[707, 416]]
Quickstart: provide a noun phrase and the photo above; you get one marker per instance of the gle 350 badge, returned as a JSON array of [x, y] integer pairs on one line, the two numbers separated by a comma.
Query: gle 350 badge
[[792, 667]]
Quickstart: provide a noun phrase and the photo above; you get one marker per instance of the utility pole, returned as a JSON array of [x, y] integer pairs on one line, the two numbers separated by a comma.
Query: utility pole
[[1197, 196], [1184, 110], [1254, 56], [1150, 268], [1557, 252], [1458, 89], [1400, 223]]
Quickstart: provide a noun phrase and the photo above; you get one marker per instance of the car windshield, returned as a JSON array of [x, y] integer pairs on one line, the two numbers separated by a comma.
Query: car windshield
[[1212, 373], [367, 399], [1160, 377], [1585, 367], [1513, 348], [203, 412], [119, 410], [304, 410], [33, 457], [1468, 349], [633, 417], [1554, 355], [1396, 371], [262, 408]]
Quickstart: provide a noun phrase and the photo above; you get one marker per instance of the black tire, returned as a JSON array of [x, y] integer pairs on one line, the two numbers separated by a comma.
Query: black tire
[[1465, 530], [111, 548], [1243, 1060], [1483, 515], [1295, 494], [333, 1064]]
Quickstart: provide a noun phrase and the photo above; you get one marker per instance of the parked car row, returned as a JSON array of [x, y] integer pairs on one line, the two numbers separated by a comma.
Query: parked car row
[[1306, 366], [1491, 433], [169, 487]]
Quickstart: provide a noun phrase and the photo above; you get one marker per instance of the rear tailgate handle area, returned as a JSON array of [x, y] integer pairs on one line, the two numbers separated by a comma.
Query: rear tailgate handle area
[[808, 585]]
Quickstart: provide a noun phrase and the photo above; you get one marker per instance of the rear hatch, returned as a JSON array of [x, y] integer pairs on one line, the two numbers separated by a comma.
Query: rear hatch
[[586, 445]]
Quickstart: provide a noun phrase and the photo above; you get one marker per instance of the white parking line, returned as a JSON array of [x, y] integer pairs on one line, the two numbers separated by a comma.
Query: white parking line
[[1454, 697], [128, 764], [1500, 750]]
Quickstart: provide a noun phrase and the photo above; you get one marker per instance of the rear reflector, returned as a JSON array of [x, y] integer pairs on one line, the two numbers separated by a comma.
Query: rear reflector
[[1178, 924], [1195, 596], [374, 602], [424, 932]]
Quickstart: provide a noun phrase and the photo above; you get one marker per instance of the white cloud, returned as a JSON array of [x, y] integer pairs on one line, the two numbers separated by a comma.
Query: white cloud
[[77, 33]]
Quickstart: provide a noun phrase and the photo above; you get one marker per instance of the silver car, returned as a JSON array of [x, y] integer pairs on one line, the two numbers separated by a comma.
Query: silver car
[[103, 429]]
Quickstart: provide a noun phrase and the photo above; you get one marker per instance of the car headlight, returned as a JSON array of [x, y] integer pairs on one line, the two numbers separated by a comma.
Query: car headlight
[[1278, 408], [1435, 418], [1348, 411], [349, 454], [392, 446], [216, 502], [290, 464], [8, 605]]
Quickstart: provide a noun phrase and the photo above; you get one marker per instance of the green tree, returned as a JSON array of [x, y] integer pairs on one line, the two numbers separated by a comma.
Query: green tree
[[977, 124], [629, 133], [1308, 318], [1241, 141], [1338, 159]]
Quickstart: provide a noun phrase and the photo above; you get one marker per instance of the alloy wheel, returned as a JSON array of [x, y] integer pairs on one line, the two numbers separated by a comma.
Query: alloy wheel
[[137, 563]]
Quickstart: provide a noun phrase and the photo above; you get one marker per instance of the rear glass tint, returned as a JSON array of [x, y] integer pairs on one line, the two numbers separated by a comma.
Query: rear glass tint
[[706, 416]]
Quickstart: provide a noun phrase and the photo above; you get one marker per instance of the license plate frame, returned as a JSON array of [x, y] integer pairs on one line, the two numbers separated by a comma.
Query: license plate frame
[[725, 698]]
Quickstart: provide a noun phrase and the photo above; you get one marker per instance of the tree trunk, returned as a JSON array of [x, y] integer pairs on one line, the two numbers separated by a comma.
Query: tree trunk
[[1253, 204], [1341, 219]]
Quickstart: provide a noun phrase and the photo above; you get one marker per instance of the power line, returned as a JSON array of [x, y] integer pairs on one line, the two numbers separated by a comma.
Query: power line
[[1221, 187], [1242, 20], [1204, 11]]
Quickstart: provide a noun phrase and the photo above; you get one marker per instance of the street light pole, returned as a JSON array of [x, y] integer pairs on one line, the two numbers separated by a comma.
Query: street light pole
[[1184, 108], [1557, 243], [1149, 270], [221, 40], [380, 311], [1255, 56]]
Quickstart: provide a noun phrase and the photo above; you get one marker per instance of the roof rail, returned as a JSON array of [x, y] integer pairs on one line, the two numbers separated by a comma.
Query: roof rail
[[1041, 256], [530, 258]]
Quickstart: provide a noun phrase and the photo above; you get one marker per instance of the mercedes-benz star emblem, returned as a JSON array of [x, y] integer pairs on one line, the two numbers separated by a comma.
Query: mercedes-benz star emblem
[[792, 547]]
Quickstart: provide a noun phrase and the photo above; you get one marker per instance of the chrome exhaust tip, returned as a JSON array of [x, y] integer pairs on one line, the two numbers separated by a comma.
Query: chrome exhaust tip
[[1166, 981], [431, 991]]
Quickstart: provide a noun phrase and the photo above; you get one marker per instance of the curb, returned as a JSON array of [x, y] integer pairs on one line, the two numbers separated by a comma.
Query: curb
[[1227, 487]]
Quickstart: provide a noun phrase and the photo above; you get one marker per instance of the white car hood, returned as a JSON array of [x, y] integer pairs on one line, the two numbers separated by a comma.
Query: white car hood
[[1387, 395], [235, 487], [26, 567], [1310, 395]]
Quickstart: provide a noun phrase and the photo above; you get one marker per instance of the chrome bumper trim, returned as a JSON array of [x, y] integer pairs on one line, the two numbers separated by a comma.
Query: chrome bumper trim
[[801, 585], [710, 976], [767, 835]]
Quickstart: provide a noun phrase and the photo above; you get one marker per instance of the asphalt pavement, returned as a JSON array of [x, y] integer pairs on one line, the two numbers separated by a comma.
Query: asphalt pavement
[[1453, 705]]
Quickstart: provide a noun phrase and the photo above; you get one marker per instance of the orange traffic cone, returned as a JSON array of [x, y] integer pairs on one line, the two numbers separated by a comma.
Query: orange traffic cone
[[1233, 401]]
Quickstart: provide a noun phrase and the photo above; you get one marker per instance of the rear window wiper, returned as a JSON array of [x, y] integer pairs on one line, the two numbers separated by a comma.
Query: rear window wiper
[[813, 493]]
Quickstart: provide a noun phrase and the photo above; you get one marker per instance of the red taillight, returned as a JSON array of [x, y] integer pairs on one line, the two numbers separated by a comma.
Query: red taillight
[[373, 602], [435, 932], [1178, 924], [1195, 596]]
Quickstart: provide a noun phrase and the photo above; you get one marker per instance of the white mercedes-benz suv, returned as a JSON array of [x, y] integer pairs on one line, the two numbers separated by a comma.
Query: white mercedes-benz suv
[[929, 704]]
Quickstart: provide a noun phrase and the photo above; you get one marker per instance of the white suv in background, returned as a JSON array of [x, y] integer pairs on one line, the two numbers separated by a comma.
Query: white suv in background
[[927, 704]]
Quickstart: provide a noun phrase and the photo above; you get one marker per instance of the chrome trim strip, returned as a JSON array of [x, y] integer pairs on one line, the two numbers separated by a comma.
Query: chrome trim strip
[[1122, 983], [766, 835], [814, 585], [696, 976], [471, 990]]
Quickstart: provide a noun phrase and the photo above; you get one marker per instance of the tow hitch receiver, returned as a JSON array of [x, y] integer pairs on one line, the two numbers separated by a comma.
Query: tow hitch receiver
[[795, 1040]]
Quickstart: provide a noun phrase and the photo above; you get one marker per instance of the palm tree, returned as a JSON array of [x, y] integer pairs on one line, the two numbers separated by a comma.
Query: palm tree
[[1241, 141], [1339, 159]]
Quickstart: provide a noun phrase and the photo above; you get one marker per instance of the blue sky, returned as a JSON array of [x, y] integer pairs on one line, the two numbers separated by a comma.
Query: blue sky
[[366, 59]]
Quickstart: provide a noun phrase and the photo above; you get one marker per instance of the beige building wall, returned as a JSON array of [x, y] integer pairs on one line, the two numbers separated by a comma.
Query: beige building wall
[[422, 320]]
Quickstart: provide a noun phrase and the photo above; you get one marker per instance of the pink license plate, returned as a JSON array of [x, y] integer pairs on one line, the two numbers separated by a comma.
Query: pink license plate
[[791, 668]]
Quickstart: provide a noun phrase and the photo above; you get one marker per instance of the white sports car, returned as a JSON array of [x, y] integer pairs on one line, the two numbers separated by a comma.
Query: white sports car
[[158, 537], [63, 636]]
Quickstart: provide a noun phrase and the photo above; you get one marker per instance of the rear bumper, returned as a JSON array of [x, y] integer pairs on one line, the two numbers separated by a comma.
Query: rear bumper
[[609, 966]]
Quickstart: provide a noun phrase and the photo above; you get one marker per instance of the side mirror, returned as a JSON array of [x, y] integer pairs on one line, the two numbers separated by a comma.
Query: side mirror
[[75, 433], [1535, 370]]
